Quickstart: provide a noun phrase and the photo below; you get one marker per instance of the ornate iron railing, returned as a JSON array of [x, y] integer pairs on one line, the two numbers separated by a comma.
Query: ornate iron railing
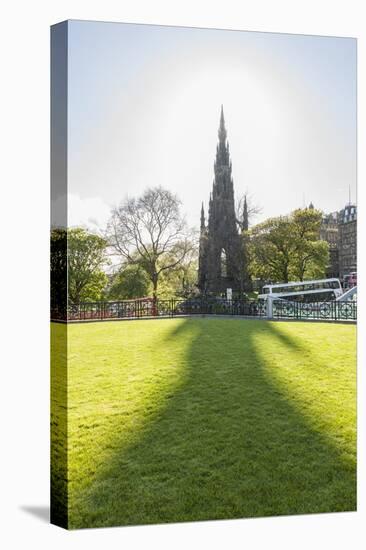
[[145, 308], [327, 311], [137, 309]]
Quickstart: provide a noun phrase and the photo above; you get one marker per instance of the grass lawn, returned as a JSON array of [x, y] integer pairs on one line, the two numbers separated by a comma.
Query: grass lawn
[[195, 419]]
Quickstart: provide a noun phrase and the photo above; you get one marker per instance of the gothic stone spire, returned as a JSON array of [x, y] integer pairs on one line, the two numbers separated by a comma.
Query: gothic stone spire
[[245, 215], [223, 183], [220, 262], [222, 129], [203, 224]]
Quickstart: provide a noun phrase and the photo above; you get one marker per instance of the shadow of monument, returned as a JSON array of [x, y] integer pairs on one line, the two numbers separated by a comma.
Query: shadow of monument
[[229, 443]]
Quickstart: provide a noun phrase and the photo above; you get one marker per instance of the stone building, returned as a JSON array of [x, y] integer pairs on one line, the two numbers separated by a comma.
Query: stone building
[[329, 231], [339, 229], [347, 240], [221, 250]]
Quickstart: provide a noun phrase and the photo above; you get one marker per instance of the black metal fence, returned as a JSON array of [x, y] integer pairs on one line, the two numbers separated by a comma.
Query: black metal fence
[[138, 309], [321, 311]]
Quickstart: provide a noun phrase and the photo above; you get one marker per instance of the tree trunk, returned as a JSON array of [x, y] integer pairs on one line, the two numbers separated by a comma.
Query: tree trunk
[[155, 287], [155, 293]]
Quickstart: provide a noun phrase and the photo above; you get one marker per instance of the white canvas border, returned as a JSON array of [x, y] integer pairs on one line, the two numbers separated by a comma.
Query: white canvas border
[[25, 224]]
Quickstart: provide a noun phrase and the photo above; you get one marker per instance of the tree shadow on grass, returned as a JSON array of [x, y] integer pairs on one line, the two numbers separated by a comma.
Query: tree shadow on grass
[[227, 444]]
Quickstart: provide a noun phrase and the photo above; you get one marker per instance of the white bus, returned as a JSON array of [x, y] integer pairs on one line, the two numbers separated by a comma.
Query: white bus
[[322, 290]]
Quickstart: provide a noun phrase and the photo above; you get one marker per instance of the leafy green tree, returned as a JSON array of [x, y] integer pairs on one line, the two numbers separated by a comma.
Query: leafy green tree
[[130, 282], [270, 249], [58, 261], [181, 280], [311, 255], [95, 289], [86, 260], [288, 247]]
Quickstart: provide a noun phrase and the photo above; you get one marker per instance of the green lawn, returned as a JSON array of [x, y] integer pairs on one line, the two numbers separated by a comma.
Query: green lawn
[[195, 419]]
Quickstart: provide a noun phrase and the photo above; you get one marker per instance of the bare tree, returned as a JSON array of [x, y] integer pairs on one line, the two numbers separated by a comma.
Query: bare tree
[[246, 210], [150, 231]]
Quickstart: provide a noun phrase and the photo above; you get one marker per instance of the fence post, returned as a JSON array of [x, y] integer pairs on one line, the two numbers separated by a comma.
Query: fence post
[[269, 307]]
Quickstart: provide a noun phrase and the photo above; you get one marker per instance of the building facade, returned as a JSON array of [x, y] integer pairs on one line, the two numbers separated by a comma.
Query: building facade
[[329, 231], [347, 240], [221, 248], [339, 229]]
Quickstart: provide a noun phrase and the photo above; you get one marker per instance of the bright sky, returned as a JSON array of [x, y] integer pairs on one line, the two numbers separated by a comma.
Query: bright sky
[[144, 104]]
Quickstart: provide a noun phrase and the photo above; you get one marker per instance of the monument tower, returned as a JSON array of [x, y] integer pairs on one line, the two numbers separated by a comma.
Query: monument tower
[[221, 255]]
